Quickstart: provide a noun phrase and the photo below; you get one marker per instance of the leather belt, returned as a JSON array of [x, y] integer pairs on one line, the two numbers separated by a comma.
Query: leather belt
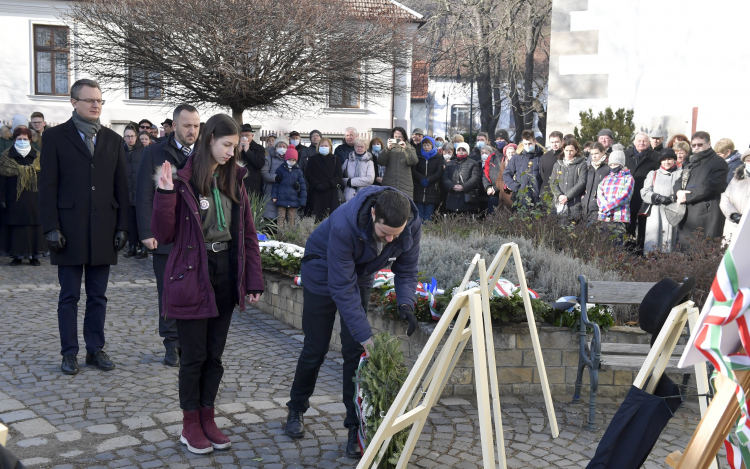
[[217, 247]]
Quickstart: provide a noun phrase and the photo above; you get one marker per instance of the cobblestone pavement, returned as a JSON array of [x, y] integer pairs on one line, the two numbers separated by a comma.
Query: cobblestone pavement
[[130, 417]]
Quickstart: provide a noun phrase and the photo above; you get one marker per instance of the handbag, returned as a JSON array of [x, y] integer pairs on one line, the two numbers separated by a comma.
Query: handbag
[[675, 213], [469, 197]]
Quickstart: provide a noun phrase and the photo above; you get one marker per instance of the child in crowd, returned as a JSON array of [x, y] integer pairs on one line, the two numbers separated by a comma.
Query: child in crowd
[[289, 192]]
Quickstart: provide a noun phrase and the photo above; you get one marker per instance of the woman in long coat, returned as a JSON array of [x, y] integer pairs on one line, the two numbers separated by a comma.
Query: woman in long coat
[[734, 199], [658, 191], [398, 158], [324, 175], [21, 234], [427, 175], [358, 169], [274, 159], [568, 180], [462, 176]]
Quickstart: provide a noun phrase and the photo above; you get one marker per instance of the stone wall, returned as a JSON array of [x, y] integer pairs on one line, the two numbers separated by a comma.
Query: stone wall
[[516, 365]]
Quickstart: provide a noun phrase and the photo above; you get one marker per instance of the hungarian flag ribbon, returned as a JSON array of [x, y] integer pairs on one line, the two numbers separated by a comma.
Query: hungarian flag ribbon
[[730, 303]]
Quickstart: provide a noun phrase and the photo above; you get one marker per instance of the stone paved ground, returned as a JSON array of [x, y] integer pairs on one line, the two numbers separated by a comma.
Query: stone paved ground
[[130, 417]]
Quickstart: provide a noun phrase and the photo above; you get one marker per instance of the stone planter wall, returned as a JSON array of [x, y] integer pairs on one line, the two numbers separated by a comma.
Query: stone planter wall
[[516, 365]]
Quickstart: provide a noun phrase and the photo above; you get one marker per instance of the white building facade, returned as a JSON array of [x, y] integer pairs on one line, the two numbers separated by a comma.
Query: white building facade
[[39, 65]]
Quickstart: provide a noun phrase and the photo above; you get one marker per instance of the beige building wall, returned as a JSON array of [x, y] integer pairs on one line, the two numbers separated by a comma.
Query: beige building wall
[[661, 58]]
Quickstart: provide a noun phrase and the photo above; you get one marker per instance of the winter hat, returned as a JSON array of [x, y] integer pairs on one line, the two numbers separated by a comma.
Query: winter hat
[[745, 155], [510, 145], [605, 132], [293, 133], [19, 120], [617, 156], [291, 154], [417, 131], [502, 134], [463, 145], [315, 132], [656, 133], [666, 154]]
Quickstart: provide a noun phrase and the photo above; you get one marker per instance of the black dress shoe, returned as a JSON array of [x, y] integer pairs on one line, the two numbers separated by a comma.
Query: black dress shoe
[[100, 359], [35, 262], [131, 252], [70, 365], [142, 254], [352, 444], [295, 424], [172, 357], [16, 262]]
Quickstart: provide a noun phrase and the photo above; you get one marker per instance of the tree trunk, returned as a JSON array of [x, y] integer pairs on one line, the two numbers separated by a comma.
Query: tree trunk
[[237, 116], [515, 104]]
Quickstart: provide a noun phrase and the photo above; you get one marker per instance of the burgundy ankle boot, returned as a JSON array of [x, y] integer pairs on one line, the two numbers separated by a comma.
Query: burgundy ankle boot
[[212, 432], [192, 433]]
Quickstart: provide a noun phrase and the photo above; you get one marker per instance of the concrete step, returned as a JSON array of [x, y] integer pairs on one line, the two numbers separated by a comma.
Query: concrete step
[[634, 349], [635, 362]]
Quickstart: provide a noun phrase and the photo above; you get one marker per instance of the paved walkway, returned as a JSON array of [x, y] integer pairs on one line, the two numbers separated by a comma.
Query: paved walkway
[[130, 417]]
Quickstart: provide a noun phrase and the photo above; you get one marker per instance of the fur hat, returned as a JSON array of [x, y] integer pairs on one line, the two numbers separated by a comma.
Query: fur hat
[[605, 132], [291, 154], [19, 120], [617, 156], [659, 301]]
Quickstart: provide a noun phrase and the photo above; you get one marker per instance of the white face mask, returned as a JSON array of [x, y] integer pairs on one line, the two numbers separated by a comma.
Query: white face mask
[[294, 143], [281, 151], [447, 157], [23, 147], [484, 157], [324, 150], [290, 163]]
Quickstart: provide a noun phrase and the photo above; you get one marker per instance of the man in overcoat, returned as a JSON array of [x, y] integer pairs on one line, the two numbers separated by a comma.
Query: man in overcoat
[[175, 148], [640, 159], [704, 178], [83, 201]]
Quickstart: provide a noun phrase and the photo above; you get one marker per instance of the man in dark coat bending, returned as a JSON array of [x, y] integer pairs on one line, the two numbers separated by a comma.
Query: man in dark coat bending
[[380, 226], [83, 201]]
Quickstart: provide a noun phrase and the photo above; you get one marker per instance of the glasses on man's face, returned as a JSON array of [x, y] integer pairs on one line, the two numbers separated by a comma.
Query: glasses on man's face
[[697, 145], [91, 102], [145, 127]]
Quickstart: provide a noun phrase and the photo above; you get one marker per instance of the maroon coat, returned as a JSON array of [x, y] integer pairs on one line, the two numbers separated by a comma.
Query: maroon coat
[[187, 287]]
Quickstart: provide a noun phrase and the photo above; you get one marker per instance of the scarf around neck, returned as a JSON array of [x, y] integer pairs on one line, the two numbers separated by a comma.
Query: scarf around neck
[[25, 174], [692, 162], [88, 129]]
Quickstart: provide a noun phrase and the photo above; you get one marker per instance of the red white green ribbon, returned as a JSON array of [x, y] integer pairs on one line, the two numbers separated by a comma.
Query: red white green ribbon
[[729, 304]]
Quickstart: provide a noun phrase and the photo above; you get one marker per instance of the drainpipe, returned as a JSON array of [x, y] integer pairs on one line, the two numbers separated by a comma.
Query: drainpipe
[[393, 93]]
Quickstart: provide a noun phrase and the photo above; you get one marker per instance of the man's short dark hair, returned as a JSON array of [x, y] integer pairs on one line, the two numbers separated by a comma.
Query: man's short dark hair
[[37, 114], [483, 134], [528, 135], [567, 136], [183, 107], [140, 123], [293, 133], [392, 208], [556, 134], [701, 135], [75, 90]]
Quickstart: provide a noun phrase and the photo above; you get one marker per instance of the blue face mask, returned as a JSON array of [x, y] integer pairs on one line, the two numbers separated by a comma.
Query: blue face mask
[[376, 148], [23, 144], [480, 144], [438, 144], [324, 150]]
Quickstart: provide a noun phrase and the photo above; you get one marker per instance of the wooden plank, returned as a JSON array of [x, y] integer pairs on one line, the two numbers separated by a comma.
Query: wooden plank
[[635, 363], [635, 349], [3, 434], [618, 293], [658, 358], [482, 382]]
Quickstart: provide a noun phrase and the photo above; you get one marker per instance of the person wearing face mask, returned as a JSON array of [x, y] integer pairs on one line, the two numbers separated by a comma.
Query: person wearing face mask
[[324, 174], [461, 178], [289, 192], [273, 161], [439, 142], [133, 152], [295, 140], [376, 148], [304, 157], [657, 192], [501, 139], [597, 170], [614, 193], [359, 170], [492, 180], [522, 174], [483, 140], [21, 233], [734, 199], [568, 180], [427, 175], [447, 152]]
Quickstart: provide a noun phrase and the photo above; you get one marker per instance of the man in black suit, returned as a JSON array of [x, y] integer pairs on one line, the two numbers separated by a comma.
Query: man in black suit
[[176, 149], [640, 159], [83, 202], [254, 157]]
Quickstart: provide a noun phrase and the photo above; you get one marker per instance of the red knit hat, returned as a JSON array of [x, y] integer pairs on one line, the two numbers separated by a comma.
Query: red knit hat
[[510, 145], [291, 154]]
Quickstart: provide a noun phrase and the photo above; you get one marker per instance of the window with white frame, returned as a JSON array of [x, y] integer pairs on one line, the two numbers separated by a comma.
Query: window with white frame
[[51, 60]]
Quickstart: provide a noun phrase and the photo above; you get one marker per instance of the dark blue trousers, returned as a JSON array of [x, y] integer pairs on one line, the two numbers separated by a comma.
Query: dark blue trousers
[[96, 306]]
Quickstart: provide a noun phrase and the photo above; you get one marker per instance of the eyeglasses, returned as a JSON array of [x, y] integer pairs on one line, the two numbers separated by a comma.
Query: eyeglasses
[[92, 101], [145, 127], [697, 145]]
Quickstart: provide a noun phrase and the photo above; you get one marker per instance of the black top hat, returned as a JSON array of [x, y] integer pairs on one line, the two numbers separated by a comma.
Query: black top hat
[[659, 301]]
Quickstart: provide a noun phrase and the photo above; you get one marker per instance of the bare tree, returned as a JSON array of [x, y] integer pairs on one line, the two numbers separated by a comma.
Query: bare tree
[[245, 54], [496, 44]]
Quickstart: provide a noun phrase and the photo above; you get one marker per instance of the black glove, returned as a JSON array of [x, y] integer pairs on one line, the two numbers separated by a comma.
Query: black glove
[[121, 238], [296, 186], [319, 187], [349, 183], [735, 217], [55, 240], [278, 178], [405, 312], [659, 199]]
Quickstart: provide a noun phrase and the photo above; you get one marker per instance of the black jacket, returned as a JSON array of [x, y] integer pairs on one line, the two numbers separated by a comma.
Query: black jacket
[[594, 177], [570, 181], [466, 173], [545, 167], [324, 175], [84, 197], [639, 168], [132, 163], [152, 158], [432, 170], [706, 182], [25, 210], [253, 159], [343, 151]]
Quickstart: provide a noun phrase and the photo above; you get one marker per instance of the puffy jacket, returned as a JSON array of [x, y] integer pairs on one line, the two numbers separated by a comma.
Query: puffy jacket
[[398, 162], [523, 172], [464, 172], [132, 163], [366, 172], [284, 192], [432, 170], [569, 180], [273, 161], [594, 177], [492, 172], [188, 293], [341, 258]]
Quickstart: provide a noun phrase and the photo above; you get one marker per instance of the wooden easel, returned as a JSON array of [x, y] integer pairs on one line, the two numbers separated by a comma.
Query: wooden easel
[[421, 390]]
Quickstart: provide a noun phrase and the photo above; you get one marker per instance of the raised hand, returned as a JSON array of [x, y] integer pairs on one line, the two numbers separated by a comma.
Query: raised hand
[[165, 178]]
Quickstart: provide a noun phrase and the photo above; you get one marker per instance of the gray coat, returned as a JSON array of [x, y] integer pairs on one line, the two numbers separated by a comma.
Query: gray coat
[[660, 235], [398, 162], [734, 200], [569, 180], [273, 161]]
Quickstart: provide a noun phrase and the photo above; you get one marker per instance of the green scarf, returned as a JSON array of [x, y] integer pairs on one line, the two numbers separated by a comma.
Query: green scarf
[[26, 174], [222, 223]]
